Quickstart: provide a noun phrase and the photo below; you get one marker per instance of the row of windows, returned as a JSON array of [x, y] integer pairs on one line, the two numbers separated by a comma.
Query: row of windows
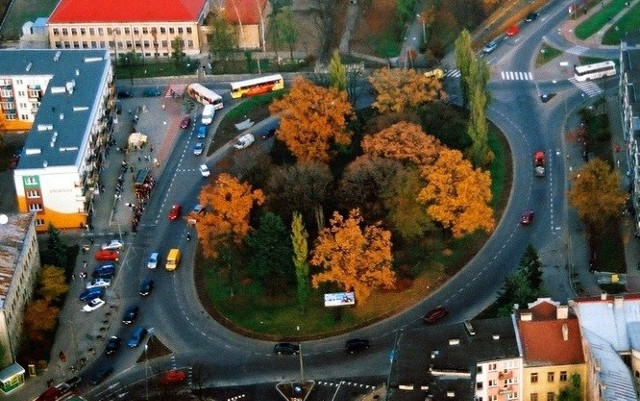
[[121, 45], [39, 222], [550, 397], [512, 395], [35, 207], [119, 31], [551, 376]]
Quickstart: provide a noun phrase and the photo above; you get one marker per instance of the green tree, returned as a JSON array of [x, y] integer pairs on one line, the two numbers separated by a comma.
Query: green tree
[[288, 29], [177, 50], [337, 72], [477, 128], [530, 262], [299, 239], [56, 254], [222, 38], [573, 392], [464, 55], [523, 286], [51, 283], [270, 249], [406, 214]]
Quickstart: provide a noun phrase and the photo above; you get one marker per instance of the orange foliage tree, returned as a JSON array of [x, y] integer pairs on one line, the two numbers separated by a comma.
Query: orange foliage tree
[[400, 89], [405, 142], [457, 195], [40, 318], [352, 257], [312, 119], [229, 203]]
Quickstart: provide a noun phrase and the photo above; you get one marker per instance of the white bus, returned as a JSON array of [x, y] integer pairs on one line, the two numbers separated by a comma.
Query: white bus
[[205, 95], [588, 72], [256, 86]]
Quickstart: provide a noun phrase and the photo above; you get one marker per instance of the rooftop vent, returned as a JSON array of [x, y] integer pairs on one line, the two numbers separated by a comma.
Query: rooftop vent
[[454, 341], [32, 151], [77, 72], [526, 316], [603, 296], [61, 116], [45, 164], [562, 312], [451, 394], [496, 336], [70, 85], [56, 57], [565, 332], [28, 68]]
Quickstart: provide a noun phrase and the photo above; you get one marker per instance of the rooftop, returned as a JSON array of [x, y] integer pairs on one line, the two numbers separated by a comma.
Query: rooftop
[[12, 240], [248, 12], [90, 11]]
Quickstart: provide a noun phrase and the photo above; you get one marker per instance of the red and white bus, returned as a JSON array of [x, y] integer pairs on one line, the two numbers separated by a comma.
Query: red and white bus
[[256, 86], [205, 95]]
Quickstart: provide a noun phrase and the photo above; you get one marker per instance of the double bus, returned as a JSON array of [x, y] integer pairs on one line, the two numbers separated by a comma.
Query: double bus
[[588, 72], [256, 86], [205, 95]]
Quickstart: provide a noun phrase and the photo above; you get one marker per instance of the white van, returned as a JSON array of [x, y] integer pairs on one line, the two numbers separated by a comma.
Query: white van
[[244, 141], [207, 114]]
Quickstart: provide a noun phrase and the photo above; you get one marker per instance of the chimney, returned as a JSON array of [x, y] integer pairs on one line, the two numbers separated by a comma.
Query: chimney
[[603, 296], [618, 302], [496, 336], [562, 312], [565, 332]]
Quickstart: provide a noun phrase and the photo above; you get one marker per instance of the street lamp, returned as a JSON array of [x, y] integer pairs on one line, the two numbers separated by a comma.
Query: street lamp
[[146, 374], [424, 28]]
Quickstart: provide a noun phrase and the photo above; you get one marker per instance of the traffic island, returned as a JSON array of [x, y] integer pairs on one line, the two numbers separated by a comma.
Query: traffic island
[[295, 390]]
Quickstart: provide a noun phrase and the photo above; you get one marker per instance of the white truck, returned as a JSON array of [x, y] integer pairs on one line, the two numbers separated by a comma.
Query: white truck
[[207, 114], [244, 141]]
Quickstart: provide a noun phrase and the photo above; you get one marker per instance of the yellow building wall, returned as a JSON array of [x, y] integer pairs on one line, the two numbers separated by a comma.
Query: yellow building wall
[[542, 387]]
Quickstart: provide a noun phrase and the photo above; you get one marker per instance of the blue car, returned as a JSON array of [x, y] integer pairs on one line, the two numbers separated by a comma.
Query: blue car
[[92, 293], [136, 338], [202, 132]]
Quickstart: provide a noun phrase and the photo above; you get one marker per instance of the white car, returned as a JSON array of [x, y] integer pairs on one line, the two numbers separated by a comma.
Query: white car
[[93, 305], [99, 282], [114, 244], [152, 263], [204, 170], [491, 46]]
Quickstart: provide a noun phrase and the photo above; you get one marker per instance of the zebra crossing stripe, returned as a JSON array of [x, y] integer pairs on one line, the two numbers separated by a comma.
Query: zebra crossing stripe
[[590, 88], [516, 75], [577, 50]]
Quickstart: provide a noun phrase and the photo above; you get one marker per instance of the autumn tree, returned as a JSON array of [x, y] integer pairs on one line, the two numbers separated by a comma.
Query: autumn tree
[[39, 319], [353, 258], [457, 195], [400, 198], [299, 240], [270, 249], [312, 120], [337, 72], [399, 89], [596, 193], [229, 203], [478, 128], [405, 142], [464, 55], [52, 283]]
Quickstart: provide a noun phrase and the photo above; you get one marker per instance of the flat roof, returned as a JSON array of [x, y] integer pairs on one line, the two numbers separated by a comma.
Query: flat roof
[[12, 241], [74, 80], [91, 11]]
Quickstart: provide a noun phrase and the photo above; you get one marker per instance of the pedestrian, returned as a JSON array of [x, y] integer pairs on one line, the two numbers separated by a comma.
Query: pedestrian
[[150, 149], [139, 159], [188, 237], [84, 264], [73, 277], [91, 240], [131, 169]]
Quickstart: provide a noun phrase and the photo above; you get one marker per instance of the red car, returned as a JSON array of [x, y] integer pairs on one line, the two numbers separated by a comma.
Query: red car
[[435, 314], [175, 212], [185, 123], [107, 255], [513, 30], [527, 218]]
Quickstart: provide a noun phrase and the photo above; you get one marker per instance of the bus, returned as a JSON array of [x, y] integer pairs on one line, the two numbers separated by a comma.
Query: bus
[[205, 95], [173, 259], [588, 72], [256, 86]]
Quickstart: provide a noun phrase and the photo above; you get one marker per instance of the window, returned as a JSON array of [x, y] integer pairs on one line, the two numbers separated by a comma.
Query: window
[[493, 397], [92, 31], [126, 31], [83, 31], [534, 377], [551, 396], [172, 30], [190, 44], [74, 31], [94, 44], [550, 377], [33, 194], [67, 44], [493, 382], [512, 395], [479, 386], [136, 31], [145, 30], [103, 44], [112, 44], [129, 44], [35, 207], [56, 31], [76, 45], [58, 44], [85, 45], [39, 222], [138, 44], [563, 376], [146, 44], [163, 30], [533, 397], [492, 367], [189, 30], [479, 369], [165, 43], [180, 30], [117, 31], [65, 31], [101, 31], [109, 31], [24, 116]]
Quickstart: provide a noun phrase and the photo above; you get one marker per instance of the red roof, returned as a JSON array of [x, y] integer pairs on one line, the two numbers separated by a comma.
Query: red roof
[[543, 342], [247, 11], [91, 11]]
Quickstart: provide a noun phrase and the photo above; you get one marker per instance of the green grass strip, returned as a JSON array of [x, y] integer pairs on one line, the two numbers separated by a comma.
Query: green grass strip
[[598, 20], [629, 22]]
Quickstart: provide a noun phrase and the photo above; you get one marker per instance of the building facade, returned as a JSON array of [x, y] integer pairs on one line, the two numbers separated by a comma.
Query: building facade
[[73, 100], [19, 267], [248, 19], [144, 27]]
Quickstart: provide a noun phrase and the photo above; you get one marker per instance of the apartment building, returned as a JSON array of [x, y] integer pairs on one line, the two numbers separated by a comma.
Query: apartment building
[[19, 266], [70, 97], [552, 350], [145, 27]]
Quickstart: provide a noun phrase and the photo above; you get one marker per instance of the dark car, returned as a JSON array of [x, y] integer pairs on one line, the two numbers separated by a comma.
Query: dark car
[[269, 134], [202, 132], [356, 345], [151, 92], [93, 293], [527, 218], [125, 94], [101, 374], [136, 338], [130, 314], [104, 271], [435, 314], [113, 345], [531, 17], [185, 123], [286, 349], [146, 287]]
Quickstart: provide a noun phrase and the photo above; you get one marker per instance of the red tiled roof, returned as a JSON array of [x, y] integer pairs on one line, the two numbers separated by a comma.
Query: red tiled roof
[[247, 11], [543, 311], [544, 344], [88, 11]]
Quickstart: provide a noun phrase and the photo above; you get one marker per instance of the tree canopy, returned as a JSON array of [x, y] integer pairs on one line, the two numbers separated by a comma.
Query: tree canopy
[[401, 89], [52, 284], [405, 142], [299, 238]]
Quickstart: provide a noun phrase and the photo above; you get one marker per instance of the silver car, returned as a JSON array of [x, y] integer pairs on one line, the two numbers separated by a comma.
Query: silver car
[[491, 46]]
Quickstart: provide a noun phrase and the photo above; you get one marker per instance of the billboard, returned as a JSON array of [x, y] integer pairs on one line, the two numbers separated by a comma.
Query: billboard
[[339, 299]]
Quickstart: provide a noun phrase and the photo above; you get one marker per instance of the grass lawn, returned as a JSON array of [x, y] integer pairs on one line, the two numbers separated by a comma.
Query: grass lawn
[[546, 54], [629, 22], [23, 11], [153, 68], [598, 20]]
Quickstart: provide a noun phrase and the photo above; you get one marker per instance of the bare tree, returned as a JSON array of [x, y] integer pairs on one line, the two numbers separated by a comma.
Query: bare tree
[[200, 375]]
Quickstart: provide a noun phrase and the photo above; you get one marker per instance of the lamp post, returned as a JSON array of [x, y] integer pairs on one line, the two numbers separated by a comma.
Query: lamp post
[[146, 374], [424, 28]]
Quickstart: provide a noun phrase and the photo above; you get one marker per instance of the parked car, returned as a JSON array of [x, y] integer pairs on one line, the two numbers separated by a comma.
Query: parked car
[[108, 255], [152, 263], [92, 293], [198, 148], [244, 141], [99, 282], [104, 271], [101, 374], [175, 212], [513, 30], [92, 305], [130, 314], [125, 94], [531, 17], [146, 287], [113, 244], [204, 170], [491, 46], [435, 315], [185, 123], [136, 338], [356, 345], [527, 218], [269, 134], [286, 349], [202, 132], [113, 345], [151, 92]]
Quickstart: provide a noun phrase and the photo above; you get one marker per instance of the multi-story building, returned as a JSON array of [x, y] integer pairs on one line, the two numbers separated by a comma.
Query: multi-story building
[[144, 27], [610, 328], [19, 266], [69, 94], [248, 17], [552, 350]]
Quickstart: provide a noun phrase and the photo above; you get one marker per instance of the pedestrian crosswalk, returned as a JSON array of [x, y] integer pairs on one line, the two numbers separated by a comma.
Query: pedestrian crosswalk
[[577, 50], [588, 87], [516, 75], [453, 73]]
